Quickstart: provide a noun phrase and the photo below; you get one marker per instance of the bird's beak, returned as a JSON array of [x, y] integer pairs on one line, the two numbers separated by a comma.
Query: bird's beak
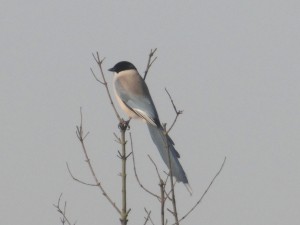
[[111, 69]]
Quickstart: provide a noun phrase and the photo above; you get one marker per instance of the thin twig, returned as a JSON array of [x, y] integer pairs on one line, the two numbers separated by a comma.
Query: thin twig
[[155, 167], [149, 212], [76, 179], [205, 192], [178, 112], [175, 214], [135, 171], [164, 182], [80, 136], [118, 140], [64, 218], [150, 62], [147, 218], [99, 62], [170, 192]]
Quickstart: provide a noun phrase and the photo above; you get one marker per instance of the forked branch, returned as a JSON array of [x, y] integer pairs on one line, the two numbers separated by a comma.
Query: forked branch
[[62, 211], [81, 136], [150, 61], [103, 81], [135, 172], [178, 112]]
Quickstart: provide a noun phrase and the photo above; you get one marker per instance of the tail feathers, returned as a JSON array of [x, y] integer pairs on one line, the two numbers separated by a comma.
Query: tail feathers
[[162, 143], [189, 188]]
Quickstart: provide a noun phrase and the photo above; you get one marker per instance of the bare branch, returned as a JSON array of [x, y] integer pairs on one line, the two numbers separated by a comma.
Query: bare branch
[[99, 62], [205, 192], [148, 213], [155, 167], [124, 213], [64, 218], [162, 186], [97, 79], [170, 192], [81, 136], [178, 112], [76, 179], [167, 146], [135, 171], [175, 214], [147, 218], [150, 62], [118, 140]]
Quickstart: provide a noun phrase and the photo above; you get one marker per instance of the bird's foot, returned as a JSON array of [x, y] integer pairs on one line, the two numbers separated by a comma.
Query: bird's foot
[[124, 124]]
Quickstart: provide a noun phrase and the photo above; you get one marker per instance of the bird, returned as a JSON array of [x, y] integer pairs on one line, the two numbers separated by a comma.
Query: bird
[[133, 96]]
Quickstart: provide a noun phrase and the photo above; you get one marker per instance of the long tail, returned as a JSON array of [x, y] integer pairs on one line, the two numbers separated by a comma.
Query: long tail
[[162, 142]]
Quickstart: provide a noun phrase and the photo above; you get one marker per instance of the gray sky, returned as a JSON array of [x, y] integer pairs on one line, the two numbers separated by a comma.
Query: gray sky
[[232, 66]]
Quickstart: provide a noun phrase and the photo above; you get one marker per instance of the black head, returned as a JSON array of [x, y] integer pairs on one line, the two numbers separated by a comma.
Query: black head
[[121, 66]]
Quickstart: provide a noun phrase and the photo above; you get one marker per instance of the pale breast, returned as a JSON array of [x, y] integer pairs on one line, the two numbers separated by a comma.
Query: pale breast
[[128, 79]]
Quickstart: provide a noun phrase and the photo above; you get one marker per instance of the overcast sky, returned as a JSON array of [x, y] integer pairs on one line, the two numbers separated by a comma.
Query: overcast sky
[[232, 66]]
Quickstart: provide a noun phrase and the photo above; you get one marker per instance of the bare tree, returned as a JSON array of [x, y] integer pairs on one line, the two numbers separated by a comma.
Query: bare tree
[[165, 193]]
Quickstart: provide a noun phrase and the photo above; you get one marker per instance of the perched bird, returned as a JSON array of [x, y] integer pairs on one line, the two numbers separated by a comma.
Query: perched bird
[[134, 98]]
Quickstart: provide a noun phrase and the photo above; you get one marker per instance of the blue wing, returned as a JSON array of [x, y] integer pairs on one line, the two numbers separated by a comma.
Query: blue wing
[[137, 98]]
